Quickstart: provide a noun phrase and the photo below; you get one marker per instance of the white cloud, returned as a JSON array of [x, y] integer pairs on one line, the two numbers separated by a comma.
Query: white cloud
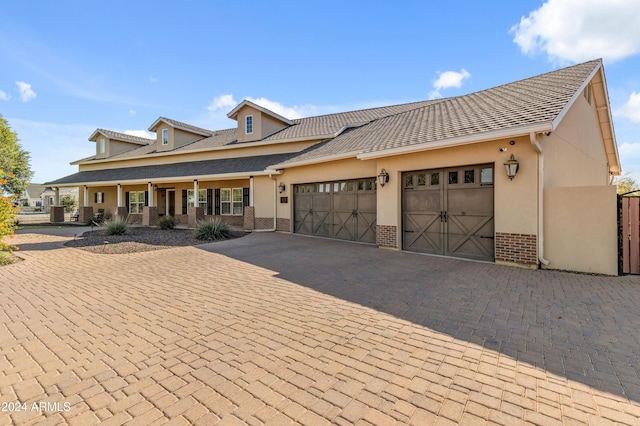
[[4, 96], [152, 79], [631, 109], [26, 92], [293, 112], [140, 134], [579, 30], [222, 102], [132, 112], [446, 80]]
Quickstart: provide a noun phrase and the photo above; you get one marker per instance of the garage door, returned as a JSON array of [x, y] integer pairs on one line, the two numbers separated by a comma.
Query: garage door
[[344, 210], [449, 212]]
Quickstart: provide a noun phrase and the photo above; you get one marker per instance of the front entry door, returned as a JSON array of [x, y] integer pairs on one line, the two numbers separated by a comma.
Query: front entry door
[[449, 212], [171, 202]]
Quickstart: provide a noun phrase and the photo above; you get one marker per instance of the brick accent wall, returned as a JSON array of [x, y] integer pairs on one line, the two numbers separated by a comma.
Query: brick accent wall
[[267, 223], [249, 217], [517, 248], [387, 236]]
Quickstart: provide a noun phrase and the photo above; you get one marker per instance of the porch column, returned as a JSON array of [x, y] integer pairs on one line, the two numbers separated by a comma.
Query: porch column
[[85, 213], [195, 194], [249, 211], [149, 212], [251, 191], [56, 214], [150, 190], [121, 209], [195, 213], [120, 195]]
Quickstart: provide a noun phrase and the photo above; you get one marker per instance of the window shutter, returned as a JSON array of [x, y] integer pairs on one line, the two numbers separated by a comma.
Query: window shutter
[[209, 201], [146, 198], [245, 197], [126, 200], [95, 197], [184, 201], [217, 201]]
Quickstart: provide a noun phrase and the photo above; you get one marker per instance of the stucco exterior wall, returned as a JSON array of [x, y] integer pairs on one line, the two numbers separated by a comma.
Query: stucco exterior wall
[[116, 147], [180, 137], [257, 129], [574, 154], [159, 146], [515, 202], [269, 126], [580, 231]]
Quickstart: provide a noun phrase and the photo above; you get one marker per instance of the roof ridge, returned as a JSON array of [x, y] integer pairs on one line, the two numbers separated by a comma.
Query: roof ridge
[[183, 124]]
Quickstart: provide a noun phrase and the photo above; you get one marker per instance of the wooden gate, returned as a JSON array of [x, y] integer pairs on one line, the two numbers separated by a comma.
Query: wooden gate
[[630, 234]]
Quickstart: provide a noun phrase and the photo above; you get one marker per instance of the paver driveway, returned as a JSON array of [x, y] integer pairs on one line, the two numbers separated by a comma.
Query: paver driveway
[[284, 329]]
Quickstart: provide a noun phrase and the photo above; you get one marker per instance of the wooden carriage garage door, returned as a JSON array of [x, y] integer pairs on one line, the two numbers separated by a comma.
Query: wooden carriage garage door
[[345, 210], [449, 212]]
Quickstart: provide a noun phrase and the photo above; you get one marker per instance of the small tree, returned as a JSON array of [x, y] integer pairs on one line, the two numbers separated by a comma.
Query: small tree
[[8, 214], [14, 162], [69, 203], [626, 183]]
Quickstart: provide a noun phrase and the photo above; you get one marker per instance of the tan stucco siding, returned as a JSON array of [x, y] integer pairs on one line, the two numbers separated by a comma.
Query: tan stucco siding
[[242, 131], [581, 229], [116, 147], [574, 154], [269, 126], [181, 138], [515, 202], [201, 156], [169, 146]]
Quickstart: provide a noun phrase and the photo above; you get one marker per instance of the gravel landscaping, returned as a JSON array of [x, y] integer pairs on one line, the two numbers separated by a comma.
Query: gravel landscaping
[[137, 239]]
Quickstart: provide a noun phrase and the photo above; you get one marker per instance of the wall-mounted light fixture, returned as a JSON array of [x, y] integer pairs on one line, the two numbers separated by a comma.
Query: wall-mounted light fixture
[[281, 187], [511, 167], [383, 177]]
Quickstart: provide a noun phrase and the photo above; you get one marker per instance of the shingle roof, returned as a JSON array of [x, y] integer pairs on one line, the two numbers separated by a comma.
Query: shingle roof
[[535, 100], [181, 125], [248, 165], [124, 137]]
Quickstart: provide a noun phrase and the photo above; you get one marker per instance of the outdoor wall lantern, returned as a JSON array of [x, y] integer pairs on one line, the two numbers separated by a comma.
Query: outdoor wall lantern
[[383, 177], [512, 167], [281, 187]]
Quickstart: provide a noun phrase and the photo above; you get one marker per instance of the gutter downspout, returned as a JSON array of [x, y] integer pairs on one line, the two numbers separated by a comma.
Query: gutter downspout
[[540, 152], [275, 206]]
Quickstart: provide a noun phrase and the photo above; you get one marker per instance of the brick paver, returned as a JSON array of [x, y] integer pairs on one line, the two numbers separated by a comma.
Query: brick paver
[[284, 329]]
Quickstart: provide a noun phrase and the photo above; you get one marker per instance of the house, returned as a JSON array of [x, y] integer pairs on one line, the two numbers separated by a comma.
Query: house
[[48, 196], [519, 174], [30, 197]]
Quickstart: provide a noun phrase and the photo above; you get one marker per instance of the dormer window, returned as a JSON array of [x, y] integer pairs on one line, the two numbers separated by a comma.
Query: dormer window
[[103, 146], [249, 124], [165, 136]]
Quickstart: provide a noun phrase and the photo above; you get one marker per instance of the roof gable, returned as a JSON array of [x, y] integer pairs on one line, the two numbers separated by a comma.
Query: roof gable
[[233, 114], [123, 137], [181, 126]]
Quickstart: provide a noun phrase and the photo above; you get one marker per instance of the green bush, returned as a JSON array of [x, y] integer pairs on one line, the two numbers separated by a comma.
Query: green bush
[[167, 222], [115, 227], [212, 230]]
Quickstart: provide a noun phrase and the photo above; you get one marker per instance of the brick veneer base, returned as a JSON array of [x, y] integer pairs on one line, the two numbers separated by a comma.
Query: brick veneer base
[[387, 236], [249, 217], [517, 248], [267, 223]]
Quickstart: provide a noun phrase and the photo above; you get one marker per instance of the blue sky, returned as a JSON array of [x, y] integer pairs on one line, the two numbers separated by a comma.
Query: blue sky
[[69, 67]]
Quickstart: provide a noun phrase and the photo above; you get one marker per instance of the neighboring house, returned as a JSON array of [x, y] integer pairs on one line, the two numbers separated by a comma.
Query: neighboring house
[[518, 174], [30, 197], [49, 194]]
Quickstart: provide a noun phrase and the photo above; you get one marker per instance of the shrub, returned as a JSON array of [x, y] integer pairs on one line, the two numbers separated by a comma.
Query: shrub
[[115, 227], [212, 230], [167, 222], [69, 203]]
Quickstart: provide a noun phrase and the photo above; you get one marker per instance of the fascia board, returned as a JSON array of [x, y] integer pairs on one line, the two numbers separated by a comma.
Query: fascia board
[[464, 140]]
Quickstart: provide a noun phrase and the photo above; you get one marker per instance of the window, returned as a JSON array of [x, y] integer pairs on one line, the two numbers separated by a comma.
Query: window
[[435, 178], [453, 177], [248, 124], [202, 198], [486, 176], [136, 201], [103, 146], [469, 176], [165, 136], [231, 201], [99, 199]]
